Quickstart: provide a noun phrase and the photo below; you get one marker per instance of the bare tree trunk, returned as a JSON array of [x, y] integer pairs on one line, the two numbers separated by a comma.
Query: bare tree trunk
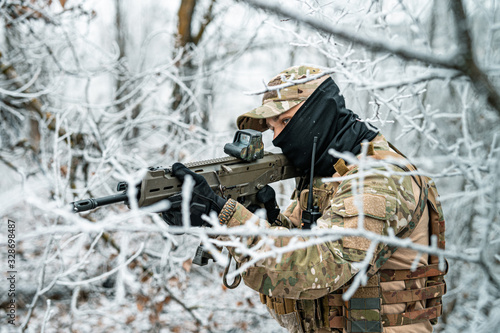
[[33, 105], [185, 38], [122, 89]]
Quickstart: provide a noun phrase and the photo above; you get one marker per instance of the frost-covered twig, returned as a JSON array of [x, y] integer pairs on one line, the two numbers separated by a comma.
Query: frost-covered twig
[[292, 81], [104, 275], [47, 315], [462, 60], [41, 281], [189, 310], [403, 51]]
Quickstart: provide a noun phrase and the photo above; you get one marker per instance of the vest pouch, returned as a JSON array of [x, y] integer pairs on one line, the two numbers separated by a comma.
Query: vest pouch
[[437, 228], [374, 209], [313, 314], [363, 310], [436, 219], [321, 198]]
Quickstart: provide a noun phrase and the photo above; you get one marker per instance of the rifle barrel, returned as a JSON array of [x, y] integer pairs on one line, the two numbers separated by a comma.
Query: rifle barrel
[[91, 203]]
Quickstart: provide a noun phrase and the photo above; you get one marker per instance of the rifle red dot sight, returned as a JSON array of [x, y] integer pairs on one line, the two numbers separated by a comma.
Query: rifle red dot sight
[[247, 145]]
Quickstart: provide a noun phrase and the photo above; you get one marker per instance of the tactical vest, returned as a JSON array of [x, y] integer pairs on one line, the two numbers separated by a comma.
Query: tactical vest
[[362, 313]]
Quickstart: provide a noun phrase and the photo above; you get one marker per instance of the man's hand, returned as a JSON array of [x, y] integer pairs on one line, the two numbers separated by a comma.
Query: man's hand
[[203, 199], [267, 196]]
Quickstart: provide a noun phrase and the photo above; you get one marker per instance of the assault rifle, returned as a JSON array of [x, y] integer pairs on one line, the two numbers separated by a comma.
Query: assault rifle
[[239, 176]]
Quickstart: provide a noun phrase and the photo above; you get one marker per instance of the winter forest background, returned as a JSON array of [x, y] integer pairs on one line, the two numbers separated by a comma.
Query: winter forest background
[[92, 92]]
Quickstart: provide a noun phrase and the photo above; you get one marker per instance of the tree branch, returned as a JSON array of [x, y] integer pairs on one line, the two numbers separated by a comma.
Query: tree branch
[[464, 62], [401, 50]]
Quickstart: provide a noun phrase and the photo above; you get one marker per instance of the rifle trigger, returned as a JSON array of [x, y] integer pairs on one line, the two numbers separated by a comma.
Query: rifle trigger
[[221, 188]]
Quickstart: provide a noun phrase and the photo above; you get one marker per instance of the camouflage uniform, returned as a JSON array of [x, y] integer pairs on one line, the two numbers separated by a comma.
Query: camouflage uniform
[[303, 289]]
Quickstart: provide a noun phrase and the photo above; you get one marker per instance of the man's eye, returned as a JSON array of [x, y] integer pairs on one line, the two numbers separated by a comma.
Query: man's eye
[[285, 121]]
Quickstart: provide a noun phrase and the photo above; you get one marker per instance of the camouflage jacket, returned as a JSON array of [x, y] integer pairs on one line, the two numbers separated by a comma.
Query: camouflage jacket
[[386, 200]]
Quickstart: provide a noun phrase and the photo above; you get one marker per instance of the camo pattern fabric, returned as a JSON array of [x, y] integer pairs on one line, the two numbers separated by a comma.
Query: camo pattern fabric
[[276, 102], [314, 271], [413, 317], [408, 296], [387, 275], [288, 320]]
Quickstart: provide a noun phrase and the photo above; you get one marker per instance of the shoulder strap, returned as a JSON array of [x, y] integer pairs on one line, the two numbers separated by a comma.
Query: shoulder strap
[[396, 150]]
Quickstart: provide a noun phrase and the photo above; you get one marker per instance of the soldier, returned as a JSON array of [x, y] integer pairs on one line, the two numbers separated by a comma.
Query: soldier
[[303, 290]]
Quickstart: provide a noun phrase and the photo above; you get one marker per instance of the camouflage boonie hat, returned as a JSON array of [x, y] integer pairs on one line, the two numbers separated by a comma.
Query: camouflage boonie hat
[[275, 102]]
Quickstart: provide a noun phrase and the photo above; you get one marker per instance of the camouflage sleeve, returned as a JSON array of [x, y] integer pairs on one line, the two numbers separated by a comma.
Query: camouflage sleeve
[[314, 271], [286, 217], [284, 222]]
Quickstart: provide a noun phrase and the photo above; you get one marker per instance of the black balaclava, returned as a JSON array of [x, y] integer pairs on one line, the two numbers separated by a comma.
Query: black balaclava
[[323, 115]]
